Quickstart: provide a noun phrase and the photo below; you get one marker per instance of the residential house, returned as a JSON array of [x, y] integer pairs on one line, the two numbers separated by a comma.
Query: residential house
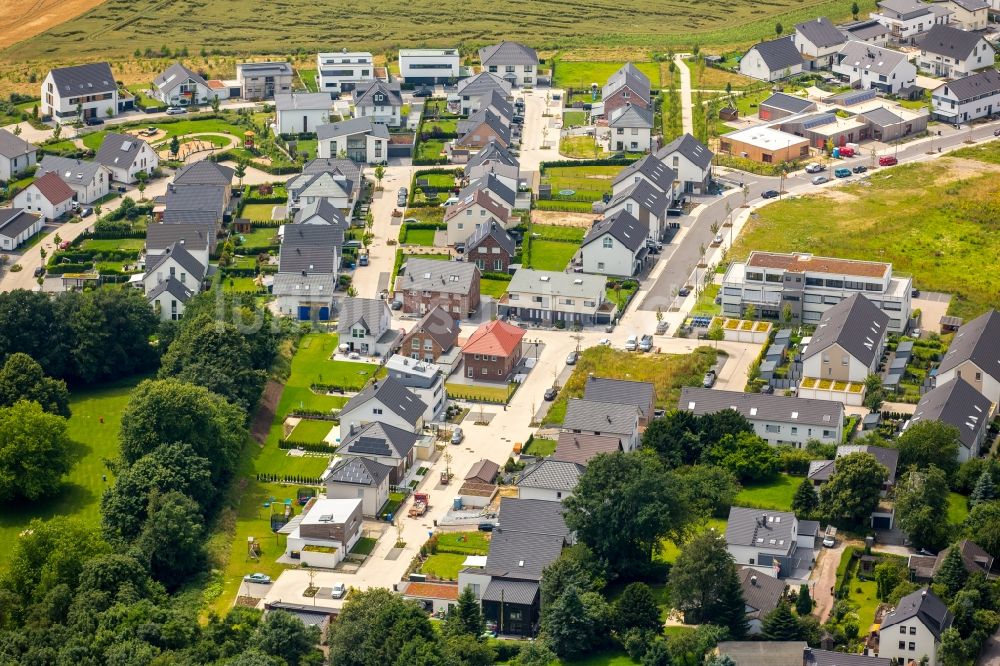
[[968, 98], [359, 139], [321, 212], [205, 172], [80, 92], [652, 170], [913, 629], [386, 401], [909, 19], [423, 379], [769, 541], [473, 91], [198, 239], [169, 299], [17, 226], [782, 105], [593, 417], [481, 128], [549, 480], [187, 203], [645, 203], [324, 535], [556, 298], [580, 448], [341, 71], [814, 657], [949, 52], [818, 42], [777, 419], [89, 180], [868, 31], [381, 442], [48, 196], [923, 568], [380, 101], [820, 471], [772, 60], [624, 392], [631, 129], [359, 477], [264, 80], [480, 484], [301, 113], [491, 248], [16, 155], [494, 158], [474, 212], [848, 343], [426, 283], [324, 236], [959, 404], [127, 156], [615, 246], [691, 160], [436, 598], [764, 144], [975, 356], [349, 170], [761, 594], [626, 87], [499, 191], [333, 187], [434, 335], [870, 66], [969, 15], [809, 285], [429, 66], [493, 353], [511, 61], [365, 326], [180, 86], [175, 263], [306, 279]]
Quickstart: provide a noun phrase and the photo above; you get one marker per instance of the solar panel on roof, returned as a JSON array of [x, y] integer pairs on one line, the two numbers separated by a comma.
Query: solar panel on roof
[[816, 121]]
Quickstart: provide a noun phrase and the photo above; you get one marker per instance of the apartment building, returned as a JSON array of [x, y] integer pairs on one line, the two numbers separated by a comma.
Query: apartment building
[[342, 71]]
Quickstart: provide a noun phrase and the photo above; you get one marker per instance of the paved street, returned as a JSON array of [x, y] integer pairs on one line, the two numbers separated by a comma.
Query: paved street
[[369, 280]]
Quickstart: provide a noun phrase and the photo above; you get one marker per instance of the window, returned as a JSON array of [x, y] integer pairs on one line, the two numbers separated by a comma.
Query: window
[[677, 161], [498, 265], [469, 373], [913, 646], [376, 410], [902, 644], [913, 631], [795, 430], [608, 243], [814, 282], [528, 68], [600, 265], [756, 277], [428, 344], [979, 376], [844, 360], [835, 284], [485, 371], [415, 344], [772, 428]]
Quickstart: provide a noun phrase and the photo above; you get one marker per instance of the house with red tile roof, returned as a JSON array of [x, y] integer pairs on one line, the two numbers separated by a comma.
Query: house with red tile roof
[[48, 196], [493, 352]]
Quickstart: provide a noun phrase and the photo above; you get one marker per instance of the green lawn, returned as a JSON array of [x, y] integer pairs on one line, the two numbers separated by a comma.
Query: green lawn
[[550, 255], [443, 565], [574, 118], [258, 238], [308, 79], [440, 181], [93, 428], [364, 546], [309, 430], [110, 245], [431, 149], [496, 393], [866, 599], [581, 74], [474, 543], [775, 495], [706, 304], [236, 285], [426, 214], [620, 296], [669, 550], [94, 139], [540, 447], [423, 237], [587, 182], [443, 126], [491, 287], [262, 213], [312, 364], [559, 232], [958, 508], [581, 147]]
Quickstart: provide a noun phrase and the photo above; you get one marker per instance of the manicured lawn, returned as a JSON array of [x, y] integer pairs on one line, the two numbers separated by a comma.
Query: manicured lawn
[[958, 508], [541, 447], [669, 550], [581, 147], [364, 546], [706, 302], [94, 139], [80, 493], [497, 393], [431, 149], [443, 565], [775, 495], [426, 214], [308, 79], [491, 287], [475, 543], [440, 181], [307, 146], [392, 504], [550, 255], [312, 364], [260, 212], [620, 296], [667, 373], [941, 223], [580, 75], [443, 126], [259, 238], [588, 183], [309, 430], [866, 599], [559, 232], [109, 245], [239, 285], [574, 118], [417, 237]]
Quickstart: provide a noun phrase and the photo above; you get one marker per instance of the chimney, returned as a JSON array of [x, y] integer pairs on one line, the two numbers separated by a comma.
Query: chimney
[[923, 595], [753, 580]]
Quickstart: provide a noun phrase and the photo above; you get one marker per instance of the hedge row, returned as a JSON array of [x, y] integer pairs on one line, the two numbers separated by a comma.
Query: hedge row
[[76, 255], [285, 478], [610, 161], [566, 206], [313, 415], [425, 225], [314, 447], [490, 275]]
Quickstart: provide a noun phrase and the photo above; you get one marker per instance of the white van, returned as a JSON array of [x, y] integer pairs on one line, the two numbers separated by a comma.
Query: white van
[[632, 343]]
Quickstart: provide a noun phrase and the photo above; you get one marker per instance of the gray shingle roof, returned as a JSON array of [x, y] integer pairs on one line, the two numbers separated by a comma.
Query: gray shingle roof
[[821, 470], [297, 284], [532, 515], [200, 198], [13, 221], [974, 557], [193, 236], [205, 218], [903, 8], [322, 185], [174, 288], [756, 528], [449, 277], [508, 591], [178, 253], [644, 194], [889, 457], [494, 231], [689, 147], [760, 591], [870, 57], [493, 184], [303, 101], [325, 210], [790, 103], [778, 54], [89, 79], [977, 341], [864, 30], [972, 5], [653, 169], [764, 653], [204, 172], [396, 397], [627, 76], [439, 325], [580, 447], [600, 417], [71, 171], [366, 91], [368, 311], [483, 470], [555, 283], [926, 607], [507, 53], [551, 475], [353, 126], [948, 41], [500, 105], [882, 116], [358, 471], [762, 406], [986, 82], [14, 146], [345, 167], [175, 75], [466, 128], [308, 260], [119, 150], [312, 235], [621, 391], [821, 32], [266, 68], [856, 324], [631, 116], [956, 403], [492, 152], [378, 439], [482, 84], [621, 226], [522, 555], [816, 657]]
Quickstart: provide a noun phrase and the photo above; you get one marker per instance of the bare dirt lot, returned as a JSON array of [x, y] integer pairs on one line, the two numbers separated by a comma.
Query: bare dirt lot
[[565, 219], [21, 19]]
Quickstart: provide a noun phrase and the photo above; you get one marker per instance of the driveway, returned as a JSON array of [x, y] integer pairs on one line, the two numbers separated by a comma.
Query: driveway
[[824, 578]]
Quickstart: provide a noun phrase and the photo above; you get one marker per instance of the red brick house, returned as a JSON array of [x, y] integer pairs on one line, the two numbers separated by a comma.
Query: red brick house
[[491, 248], [427, 283], [627, 86], [493, 351], [435, 334]]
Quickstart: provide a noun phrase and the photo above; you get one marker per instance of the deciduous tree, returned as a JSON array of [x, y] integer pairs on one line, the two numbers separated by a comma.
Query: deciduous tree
[[853, 491], [922, 507], [22, 378], [929, 442], [172, 538], [34, 451], [983, 526], [373, 627], [701, 583], [746, 455], [283, 635]]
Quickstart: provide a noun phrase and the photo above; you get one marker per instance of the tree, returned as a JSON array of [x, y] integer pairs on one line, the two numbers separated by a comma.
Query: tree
[[952, 574], [953, 650], [241, 170], [874, 393], [701, 583], [708, 490], [805, 500], [214, 103], [781, 625], [921, 501], [746, 455], [636, 609], [464, 650], [803, 602], [466, 617], [175, 146], [689, 648], [778, 29], [888, 574], [57, 131], [786, 313], [142, 177], [657, 654], [715, 332], [575, 566], [21, 378], [674, 438], [534, 653], [567, 627], [283, 635], [853, 491], [855, 10], [623, 506], [985, 490], [34, 451], [379, 175], [983, 526], [929, 442], [373, 627], [172, 538]]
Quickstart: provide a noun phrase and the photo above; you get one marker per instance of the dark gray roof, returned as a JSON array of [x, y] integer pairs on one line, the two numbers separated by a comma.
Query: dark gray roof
[[821, 32], [926, 607], [778, 54], [507, 53], [439, 325], [986, 82], [903, 8], [378, 439], [500, 105], [347, 168], [522, 555], [366, 91], [192, 236], [627, 230], [600, 417], [689, 147], [482, 84], [532, 515], [760, 591], [89, 79], [391, 393], [509, 591], [809, 527], [70, 171], [762, 406], [494, 231], [864, 30], [631, 116], [260, 68], [478, 119], [492, 152], [951, 42], [493, 184], [972, 5], [856, 324], [756, 528], [175, 75], [870, 57], [205, 218], [882, 117], [174, 288], [551, 475], [14, 221], [764, 653], [628, 76], [197, 197], [817, 657], [821, 470], [325, 210], [322, 185], [14, 146], [644, 194], [204, 172], [974, 557], [352, 126], [368, 311], [621, 391], [889, 457], [580, 447], [451, 277], [297, 284], [790, 103], [312, 235], [307, 260], [653, 169], [359, 471], [178, 253], [977, 341], [483, 470], [119, 150], [956, 403]]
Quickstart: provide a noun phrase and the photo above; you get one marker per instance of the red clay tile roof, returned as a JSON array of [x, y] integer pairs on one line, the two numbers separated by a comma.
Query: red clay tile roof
[[432, 590], [496, 338], [53, 188]]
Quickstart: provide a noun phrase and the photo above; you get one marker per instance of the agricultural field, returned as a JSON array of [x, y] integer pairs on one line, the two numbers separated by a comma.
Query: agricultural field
[[940, 217], [579, 75]]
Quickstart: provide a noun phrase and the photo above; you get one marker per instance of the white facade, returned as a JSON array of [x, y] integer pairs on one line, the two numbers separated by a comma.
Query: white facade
[[968, 16], [67, 106], [860, 73], [387, 113], [949, 108], [341, 515], [983, 382], [754, 66], [691, 176], [362, 147], [545, 494], [465, 222], [341, 71], [519, 75], [146, 161], [31, 199], [796, 435], [908, 640], [375, 410], [607, 255], [169, 269], [630, 139], [11, 167], [982, 55], [185, 93], [838, 364], [429, 65], [90, 190], [300, 121], [903, 28], [372, 498], [11, 241]]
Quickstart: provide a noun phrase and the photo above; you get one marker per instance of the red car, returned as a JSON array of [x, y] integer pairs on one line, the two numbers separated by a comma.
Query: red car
[[887, 160]]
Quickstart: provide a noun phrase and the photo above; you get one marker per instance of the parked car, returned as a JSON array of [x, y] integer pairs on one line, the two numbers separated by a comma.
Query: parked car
[[457, 436], [604, 342], [887, 160], [815, 168], [861, 168], [363, 260], [819, 180], [397, 304], [646, 343], [829, 542], [63, 245], [450, 201], [769, 194], [842, 172], [767, 389], [551, 393], [423, 92], [260, 578], [996, 132], [175, 110], [572, 358], [338, 591], [709, 379], [717, 240], [486, 526], [631, 343], [684, 292], [85, 211], [94, 121], [39, 271]]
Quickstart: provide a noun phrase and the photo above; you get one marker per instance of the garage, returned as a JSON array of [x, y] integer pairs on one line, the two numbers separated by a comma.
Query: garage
[[324, 313], [881, 522], [304, 311]]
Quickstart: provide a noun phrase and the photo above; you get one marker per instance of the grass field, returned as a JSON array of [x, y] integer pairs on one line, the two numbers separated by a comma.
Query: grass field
[[711, 78], [496, 393], [559, 232], [936, 222], [428, 214], [541, 447], [109, 245], [491, 287], [309, 430], [669, 550], [239, 285], [423, 237], [80, 493], [581, 147], [261, 213], [551, 255], [430, 149], [706, 301], [866, 599], [588, 182], [443, 565], [259, 238], [574, 118], [579, 75], [775, 495], [958, 508]]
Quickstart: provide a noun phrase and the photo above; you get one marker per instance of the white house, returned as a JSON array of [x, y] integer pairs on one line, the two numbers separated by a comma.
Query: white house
[[949, 52], [300, 113], [180, 86], [761, 594], [511, 61], [848, 343], [334, 186], [974, 356], [908, 19], [358, 477], [386, 401], [89, 180], [365, 326], [197, 238], [386, 444], [691, 160], [969, 14], [425, 380], [80, 91], [615, 245], [631, 129], [912, 630], [176, 263], [968, 98], [16, 155], [17, 226], [48, 196], [126, 156], [471, 213], [761, 539], [326, 533], [596, 417], [169, 298], [818, 42], [646, 203], [341, 71], [653, 171], [772, 60], [958, 404], [869, 66], [429, 66], [554, 296], [494, 159], [471, 92], [359, 139], [549, 480], [380, 101], [307, 272]]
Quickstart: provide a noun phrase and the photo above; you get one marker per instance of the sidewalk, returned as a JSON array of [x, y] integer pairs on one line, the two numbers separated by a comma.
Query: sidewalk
[[686, 115]]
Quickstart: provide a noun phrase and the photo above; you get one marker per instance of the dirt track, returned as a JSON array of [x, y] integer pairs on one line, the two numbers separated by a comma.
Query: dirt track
[[20, 20]]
